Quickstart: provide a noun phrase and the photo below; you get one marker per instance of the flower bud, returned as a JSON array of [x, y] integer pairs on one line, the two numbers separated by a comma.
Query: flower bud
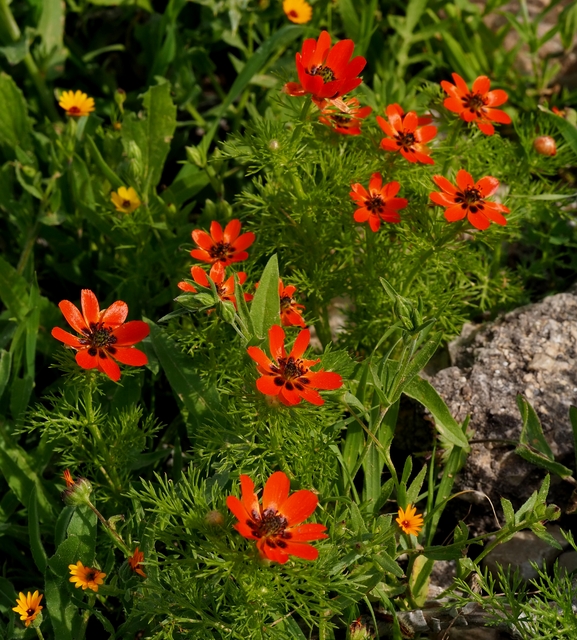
[[227, 311], [359, 631], [195, 156], [134, 155], [552, 512], [545, 145], [119, 98], [78, 493], [214, 518], [274, 145]]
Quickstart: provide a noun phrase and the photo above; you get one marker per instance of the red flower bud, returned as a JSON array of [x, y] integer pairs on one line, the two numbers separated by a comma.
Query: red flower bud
[[545, 145]]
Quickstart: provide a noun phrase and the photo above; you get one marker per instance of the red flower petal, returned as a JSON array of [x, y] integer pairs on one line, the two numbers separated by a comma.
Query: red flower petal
[[478, 220], [109, 367], [216, 232], [410, 122], [115, 315], [496, 98], [276, 337], [267, 385], [276, 491], [73, 316], [289, 396], [339, 56], [321, 49], [130, 355], [487, 186], [199, 276], [361, 215], [389, 145], [481, 85], [454, 213], [486, 127], [453, 104], [85, 360], [442, 199], [232, 231], [248, 496], [300, 344], [310, 395], [185, 286], [244, 241], [461, 84], [130, 333], [422, 157], [494, 216], [217, 272], [276, 554], [202, 239], [243, 528], [424, 134], [374, 224], [299, 506], [464, 180], [201, 254], [498, 116], [306, 532], [386, 127], [325, 380], [259, 356], [90, 307], [238, 509], [445, 185], [302, 550], [376, 182], [67, 338]]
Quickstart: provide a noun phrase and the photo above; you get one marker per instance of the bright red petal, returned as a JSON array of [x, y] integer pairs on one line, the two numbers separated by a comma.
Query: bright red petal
[[185, 286], [453, 104], [389, 145], [85, 360], [376, 182], [115, 315], [495, 216], [386, 127], [321, 49], [478, 220], [487, 186], [130, 333], [486, 127], [130, 355], [90, 307], [244, 529], [289, 397], [325, 380], [299, 506], [109, 367], [361, 215], [244, 241], [496, 98], [202, 239], [481, 85], [302, 550], [496, 115], [442, 199], [73, 316], [374, 224], [339, 56], [217, 272], [276, 491], [306, 532], [237, 508], [276, 337], [202, 255], [461, 84], [67, 338], [464, 180], [445, 185], [272, 553], [199, 276], [216, 232], [452, 214], [259, 356], [267, 385], [310, 395], [301, 343], [248, 496], [424, 134]]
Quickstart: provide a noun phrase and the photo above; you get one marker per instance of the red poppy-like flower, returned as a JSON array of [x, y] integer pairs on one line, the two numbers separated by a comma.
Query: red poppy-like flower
[[104, 336], [477, 105], [290, 309], [276, 525], [326, 73], [289, 377], [405, 134], [135, 561], [225, 289], [469, 199], [378, 203], [559, 112], [346, 122], [222, 246]]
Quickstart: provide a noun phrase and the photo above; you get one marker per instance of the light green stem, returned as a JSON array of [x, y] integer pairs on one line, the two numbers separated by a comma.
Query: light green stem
[[39, 633]]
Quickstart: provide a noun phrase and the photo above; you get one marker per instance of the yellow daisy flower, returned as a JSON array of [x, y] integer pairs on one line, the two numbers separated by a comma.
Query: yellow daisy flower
[[86, 577], [28, 606], [76, 103], [409, 521], [298, 11], [125, 200]]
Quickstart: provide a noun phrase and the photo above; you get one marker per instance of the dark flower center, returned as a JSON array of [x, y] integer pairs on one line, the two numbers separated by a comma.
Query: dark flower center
[[406, 140], [406, 524], [74, 110], [220, 251], [374, 204], [289, 368], [271, 524], [326, 73], [30, 612], [473, 101], [126, 204], [293, 14], [91, 575], [341, 120], [97, 338], [286, 303], [471, 199]]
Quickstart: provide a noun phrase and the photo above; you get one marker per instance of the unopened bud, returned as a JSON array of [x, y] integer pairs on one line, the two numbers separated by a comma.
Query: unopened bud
[[227, 311], [360, 631], [119, 98], [274, 145], [552, 512], [214, 518], [78, 493], [545, 145], [195, 156]]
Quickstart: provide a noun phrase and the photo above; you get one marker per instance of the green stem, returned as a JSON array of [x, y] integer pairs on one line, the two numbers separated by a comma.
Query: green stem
[[450, 143], [109, 471], [9, 26], [86, 617], [305, 109], [39, 633], [116, 539]]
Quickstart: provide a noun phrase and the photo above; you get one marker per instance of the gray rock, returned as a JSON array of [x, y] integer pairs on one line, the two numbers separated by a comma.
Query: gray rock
[[568, 561], [523, 549], [531, 351]]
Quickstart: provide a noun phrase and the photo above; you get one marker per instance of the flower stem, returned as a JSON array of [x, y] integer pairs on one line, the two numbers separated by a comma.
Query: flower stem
[[39, 633], [116, 539], [305, 109], [9, 27], [450, 143]]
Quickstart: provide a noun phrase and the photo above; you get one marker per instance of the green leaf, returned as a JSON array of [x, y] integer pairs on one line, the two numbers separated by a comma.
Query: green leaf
[[532, 432], [51, 26], [573, 419], [538, 459], [415, 486], [567, 23], [83, 525], [447, 426], [508, 511], [280, 39], [351, 22], [384, 560], [17, 51], [183, 378], [566, 129], [189, 181], [265, 306], [36, 547], [5, 367], [541, 532], [153, 133], [247, 327], [15, 125], [99, 161], [13, 287]]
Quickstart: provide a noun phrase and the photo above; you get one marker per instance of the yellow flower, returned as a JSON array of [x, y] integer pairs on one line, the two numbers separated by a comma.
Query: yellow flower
[[76, 103], [298, 11], [409, 521], [28, 606], [86, 577], [125, 200]]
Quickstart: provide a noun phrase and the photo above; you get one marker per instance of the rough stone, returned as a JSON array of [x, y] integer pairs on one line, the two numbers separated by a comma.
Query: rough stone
[[442, 576], [523, 549], [568, 561], [531, 351]]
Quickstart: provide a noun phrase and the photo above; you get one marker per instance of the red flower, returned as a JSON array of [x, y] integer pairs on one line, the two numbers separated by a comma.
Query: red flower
[[405, 134], [326, 73], [346, 122], [135, 562], [224, 289], [105, 337], [477, 105], [289, 377], [468, 199], [290, 309], [378, 203], [559, 112], [276, 525], [226, 247]]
